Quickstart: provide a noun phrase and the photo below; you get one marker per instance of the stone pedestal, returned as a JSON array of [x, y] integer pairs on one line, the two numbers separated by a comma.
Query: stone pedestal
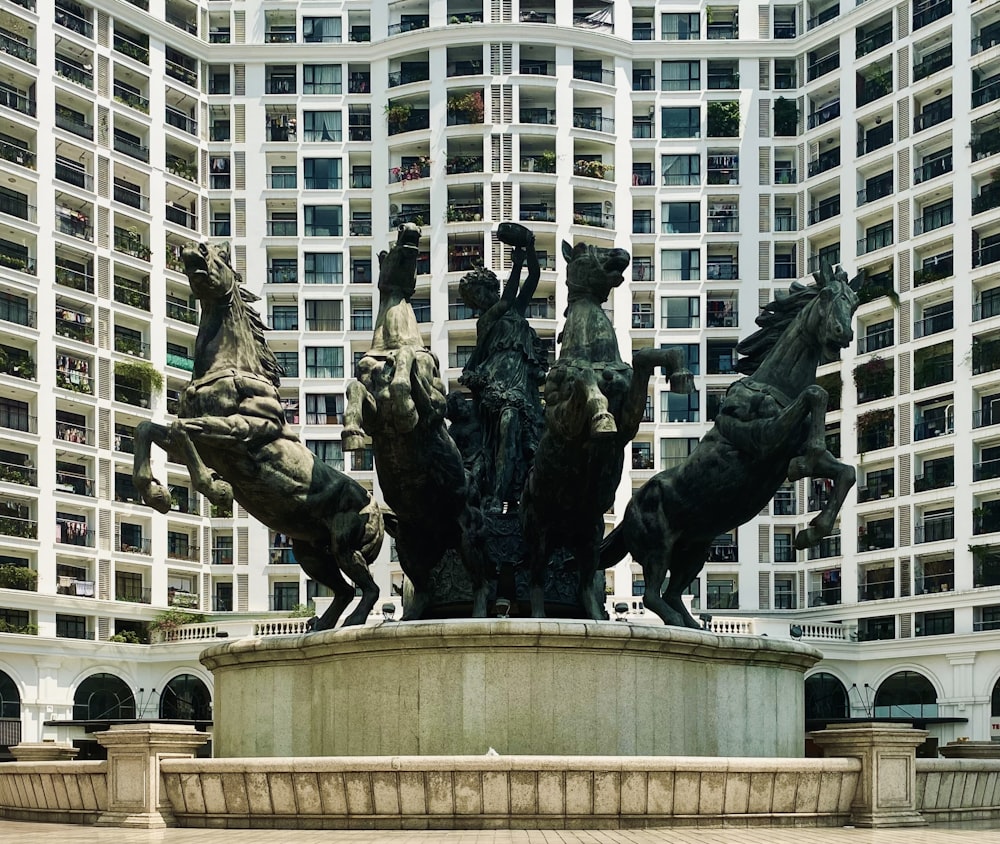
[[886, 795], [134, 754], [43, 751], [970, 750], [521, 686]]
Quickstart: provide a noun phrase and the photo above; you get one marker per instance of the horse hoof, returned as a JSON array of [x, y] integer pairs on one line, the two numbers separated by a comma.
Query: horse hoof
[[603, 425], [220, 493], [352, 439], [158, 498]]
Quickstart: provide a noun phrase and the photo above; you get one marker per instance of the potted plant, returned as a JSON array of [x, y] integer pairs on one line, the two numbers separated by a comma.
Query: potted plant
[[397, 115], [166, 623], [546, 161], [138, 371], [786, 117]]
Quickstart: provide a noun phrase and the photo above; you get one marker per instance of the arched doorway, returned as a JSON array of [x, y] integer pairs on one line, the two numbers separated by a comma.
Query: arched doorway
[[186, 698], [995, 711], [10, 714], [826, 698], [906, 694], [103, 696]]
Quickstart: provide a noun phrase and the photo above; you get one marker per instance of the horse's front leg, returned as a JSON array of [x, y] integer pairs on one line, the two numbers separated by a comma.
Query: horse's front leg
[[644, 363], [218, 491], [401, 404], [150, 490], [574, 400], [814, 400], [360, 405], [843, 477]]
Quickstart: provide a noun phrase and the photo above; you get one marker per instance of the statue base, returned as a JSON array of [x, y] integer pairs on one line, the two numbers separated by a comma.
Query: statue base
[[518, 686], [451, 589]]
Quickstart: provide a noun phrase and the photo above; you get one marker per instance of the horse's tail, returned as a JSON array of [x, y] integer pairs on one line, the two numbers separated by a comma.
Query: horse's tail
[[613, 548]]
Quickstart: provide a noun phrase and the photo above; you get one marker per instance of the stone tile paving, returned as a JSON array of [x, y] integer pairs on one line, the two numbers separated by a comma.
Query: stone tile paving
[[13, 832]]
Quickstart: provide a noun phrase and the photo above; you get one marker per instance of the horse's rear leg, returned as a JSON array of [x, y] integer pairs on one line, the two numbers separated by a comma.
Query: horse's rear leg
[[474, 557], [684, 568], [353, 435], [320, 566]]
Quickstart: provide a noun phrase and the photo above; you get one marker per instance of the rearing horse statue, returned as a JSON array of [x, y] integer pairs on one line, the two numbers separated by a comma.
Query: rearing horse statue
[[771, 426], [399, 400], [594, 403], [231, 435]]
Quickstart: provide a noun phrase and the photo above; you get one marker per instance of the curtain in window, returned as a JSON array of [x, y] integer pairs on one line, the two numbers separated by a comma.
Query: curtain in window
[[323, 126], [321, 79], [324, 268], [326, 30]]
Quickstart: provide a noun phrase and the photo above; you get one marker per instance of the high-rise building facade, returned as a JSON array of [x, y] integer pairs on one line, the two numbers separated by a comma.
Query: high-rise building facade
[[731, 147]]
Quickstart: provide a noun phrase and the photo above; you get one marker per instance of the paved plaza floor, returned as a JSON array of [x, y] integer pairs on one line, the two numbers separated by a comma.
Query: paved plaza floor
[[12, 832]]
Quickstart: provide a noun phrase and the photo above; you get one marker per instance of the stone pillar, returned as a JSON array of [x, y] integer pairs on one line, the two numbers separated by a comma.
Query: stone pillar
[[43, 751], [135, 796], [886, 794]]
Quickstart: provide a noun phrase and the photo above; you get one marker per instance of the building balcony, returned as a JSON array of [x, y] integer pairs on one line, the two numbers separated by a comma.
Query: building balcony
[[823, 115], [17, 154], [986, 93], [18, 49], [934, 530], [823, 66], [932, 169], [73, 586], [130, 48], [933, 114], [932, 63], [985, 356], [25, 105], [826, 161], [874, 40], [925, 13], [824, 211], [934, 271], [74, 73], [829, 546], [133, 594], [594, 122], [933, 324]]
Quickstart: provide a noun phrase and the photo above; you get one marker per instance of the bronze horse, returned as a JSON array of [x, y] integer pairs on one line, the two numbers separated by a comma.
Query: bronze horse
[[594, 403], [771, 426], [231, 435], [399, 400]]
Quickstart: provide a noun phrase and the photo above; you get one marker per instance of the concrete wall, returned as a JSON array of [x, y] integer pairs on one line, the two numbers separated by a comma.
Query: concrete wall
[[958, 789]]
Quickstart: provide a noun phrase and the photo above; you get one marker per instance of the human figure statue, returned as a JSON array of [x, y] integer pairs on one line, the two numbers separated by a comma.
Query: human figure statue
[[505, 371]]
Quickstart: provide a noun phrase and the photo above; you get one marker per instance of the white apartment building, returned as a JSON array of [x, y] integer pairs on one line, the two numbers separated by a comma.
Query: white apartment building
[[729, 146]]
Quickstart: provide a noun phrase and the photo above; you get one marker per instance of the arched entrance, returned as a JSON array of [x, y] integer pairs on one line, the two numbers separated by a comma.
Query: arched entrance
[[10, 714], [103, 697], [186, 698], [906, 694], [826, 698]]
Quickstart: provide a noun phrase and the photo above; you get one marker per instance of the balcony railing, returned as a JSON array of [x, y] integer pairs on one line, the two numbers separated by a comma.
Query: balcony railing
[[933, 168], [933, 324], [18, 49], [930, 13], [133, 594], [934, 271], [17, 155], [74, 73], [824, 211], [824, 114], [874, 40], [131, 49], [181, 121], [932, 63], [987, 470], [826, 161], [934, 530], [986, 93], [594, 122], [934, 113], [823, 66], [71, 121]]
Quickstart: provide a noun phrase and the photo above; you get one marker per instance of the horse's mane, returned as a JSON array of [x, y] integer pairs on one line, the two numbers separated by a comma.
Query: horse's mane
[[269, 363], [773, 321]]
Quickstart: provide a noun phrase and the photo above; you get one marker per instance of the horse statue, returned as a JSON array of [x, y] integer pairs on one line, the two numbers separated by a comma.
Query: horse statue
[[594, 404], [231, 435], [771, 426], [399, 401]]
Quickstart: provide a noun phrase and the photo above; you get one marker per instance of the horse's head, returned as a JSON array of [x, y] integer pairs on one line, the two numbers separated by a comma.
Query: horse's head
[[830, 317], [209, 270], [593, 271], [398, 266]]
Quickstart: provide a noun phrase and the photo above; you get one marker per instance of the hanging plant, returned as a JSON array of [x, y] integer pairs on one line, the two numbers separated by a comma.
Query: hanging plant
[[144, 373]]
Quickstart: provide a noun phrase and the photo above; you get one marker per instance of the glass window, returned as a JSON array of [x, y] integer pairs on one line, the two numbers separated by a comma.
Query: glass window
[[680, 122], [322, 126], [322, 173], [324, 362], [680, 265], [285, 317], [681, 76], [692, 355], [679, 407], [680, 27], [681, 217], [321, 79], [289, 363], [328, 451], [324, 315], [324, 268], [324, 220], [681, 170], [674, 450], [679, 312], [321, 30]]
